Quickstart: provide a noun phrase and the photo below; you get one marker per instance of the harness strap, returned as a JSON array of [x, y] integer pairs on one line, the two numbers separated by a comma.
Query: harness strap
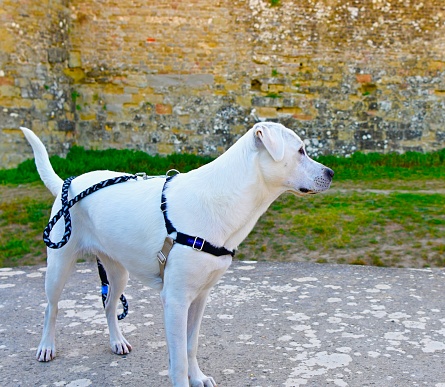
[[197, 243], [168, 224], [163, 255]]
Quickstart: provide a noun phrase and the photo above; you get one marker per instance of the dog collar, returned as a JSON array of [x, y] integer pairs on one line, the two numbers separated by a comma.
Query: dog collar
[[195, 242]]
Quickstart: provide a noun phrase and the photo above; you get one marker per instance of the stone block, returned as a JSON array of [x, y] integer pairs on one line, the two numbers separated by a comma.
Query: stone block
[[345, 135], [413, 134], [9, 91], [16, 103], [76, 74], [110, 88], [131, 90], [244, 101], [66, 126], [303, 117], [7, 81], [165, 149], [57, 55], [137, 98], [440, 136], [191, 80], [117, 99], [394, 135], [436, 65], [266, 112], [87, 116], [184, 119], [363, 78], [267, 102], [276, 88], [154, 98], [163, 109], [290, 110], [74, 59]]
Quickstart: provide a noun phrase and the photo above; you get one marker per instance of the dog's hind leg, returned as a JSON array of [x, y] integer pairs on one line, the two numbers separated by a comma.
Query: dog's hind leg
[[59, 267], [117, 278]]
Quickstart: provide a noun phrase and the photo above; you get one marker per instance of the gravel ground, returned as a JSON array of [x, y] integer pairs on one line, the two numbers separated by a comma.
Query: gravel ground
[[267, 324]]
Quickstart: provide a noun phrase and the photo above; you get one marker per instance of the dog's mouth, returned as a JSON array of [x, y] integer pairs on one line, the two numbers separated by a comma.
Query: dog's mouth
[[307, 191]]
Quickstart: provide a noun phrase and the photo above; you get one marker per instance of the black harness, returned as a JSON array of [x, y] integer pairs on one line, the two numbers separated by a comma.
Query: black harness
[[197, 243]]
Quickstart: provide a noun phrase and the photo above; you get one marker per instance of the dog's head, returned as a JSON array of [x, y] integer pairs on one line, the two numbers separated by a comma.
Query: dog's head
[[284, 161]]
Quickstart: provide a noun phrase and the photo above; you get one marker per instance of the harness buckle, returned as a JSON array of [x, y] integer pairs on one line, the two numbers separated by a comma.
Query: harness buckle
[[202, 241], [141, 174], [161, 258]]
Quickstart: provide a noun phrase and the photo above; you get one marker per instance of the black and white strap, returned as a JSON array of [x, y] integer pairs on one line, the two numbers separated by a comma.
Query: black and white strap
[[105, 286], [65, 212], [66, 205]]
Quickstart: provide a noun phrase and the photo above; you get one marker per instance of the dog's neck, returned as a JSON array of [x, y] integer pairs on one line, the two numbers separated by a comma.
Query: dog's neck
[[234, 196]]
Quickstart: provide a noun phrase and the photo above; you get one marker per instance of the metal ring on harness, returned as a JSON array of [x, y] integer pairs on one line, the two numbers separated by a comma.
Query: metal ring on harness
[[175, 171]]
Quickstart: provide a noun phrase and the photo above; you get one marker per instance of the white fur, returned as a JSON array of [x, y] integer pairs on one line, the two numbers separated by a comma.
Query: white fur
[[124, 226]]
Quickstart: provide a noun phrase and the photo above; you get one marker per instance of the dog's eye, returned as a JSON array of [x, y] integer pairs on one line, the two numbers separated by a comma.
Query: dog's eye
[[301, 151]]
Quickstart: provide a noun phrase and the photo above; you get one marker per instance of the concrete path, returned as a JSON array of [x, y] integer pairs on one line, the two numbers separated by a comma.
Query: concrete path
[[267, 324]]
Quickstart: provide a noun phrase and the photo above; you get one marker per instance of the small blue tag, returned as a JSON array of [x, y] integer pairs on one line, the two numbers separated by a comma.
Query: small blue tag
[[197, 243], [104, 289]]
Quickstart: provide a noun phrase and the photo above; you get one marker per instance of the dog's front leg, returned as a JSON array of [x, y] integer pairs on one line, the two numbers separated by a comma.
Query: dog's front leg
[[175, 321], [182, 324], [195, 313]]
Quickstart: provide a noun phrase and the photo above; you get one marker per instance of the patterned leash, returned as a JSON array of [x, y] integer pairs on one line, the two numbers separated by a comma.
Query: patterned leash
[[64, 211], [105, 285]]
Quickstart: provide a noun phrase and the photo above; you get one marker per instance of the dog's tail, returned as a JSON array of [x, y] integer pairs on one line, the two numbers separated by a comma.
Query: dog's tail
[[49, 177]]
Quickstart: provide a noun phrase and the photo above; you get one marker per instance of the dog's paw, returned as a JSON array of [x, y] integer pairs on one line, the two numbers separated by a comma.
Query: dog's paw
[[204, 381], [46, 353], [121, 347]]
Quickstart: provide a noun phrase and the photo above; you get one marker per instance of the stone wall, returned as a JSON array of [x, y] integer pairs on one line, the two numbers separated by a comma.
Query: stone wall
[[175, 76], [33, 88]]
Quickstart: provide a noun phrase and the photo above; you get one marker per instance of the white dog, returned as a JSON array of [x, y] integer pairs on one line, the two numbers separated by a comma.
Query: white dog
[[124, 226]]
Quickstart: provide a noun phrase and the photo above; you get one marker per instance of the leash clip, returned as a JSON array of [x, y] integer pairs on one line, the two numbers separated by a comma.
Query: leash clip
[[141, 174]]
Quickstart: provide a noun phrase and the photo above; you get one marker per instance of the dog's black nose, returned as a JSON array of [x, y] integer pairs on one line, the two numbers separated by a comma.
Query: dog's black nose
[[329, 173]]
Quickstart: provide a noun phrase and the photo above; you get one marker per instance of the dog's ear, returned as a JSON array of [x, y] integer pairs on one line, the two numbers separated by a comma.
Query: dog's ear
[[272, 139]]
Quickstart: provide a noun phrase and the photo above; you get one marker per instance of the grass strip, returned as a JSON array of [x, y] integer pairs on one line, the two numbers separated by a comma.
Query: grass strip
[[391, 229], [341, 226], [79, 161], [360, 166]]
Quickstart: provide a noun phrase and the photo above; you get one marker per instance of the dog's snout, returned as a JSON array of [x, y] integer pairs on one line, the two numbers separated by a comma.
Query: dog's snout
[[329, 173]]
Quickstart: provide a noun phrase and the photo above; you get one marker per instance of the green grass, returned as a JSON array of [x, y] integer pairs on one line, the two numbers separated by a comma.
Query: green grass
[[348, 224], [353, 227], [360, 167], [376, 166], [22, 221], [79, 161]]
